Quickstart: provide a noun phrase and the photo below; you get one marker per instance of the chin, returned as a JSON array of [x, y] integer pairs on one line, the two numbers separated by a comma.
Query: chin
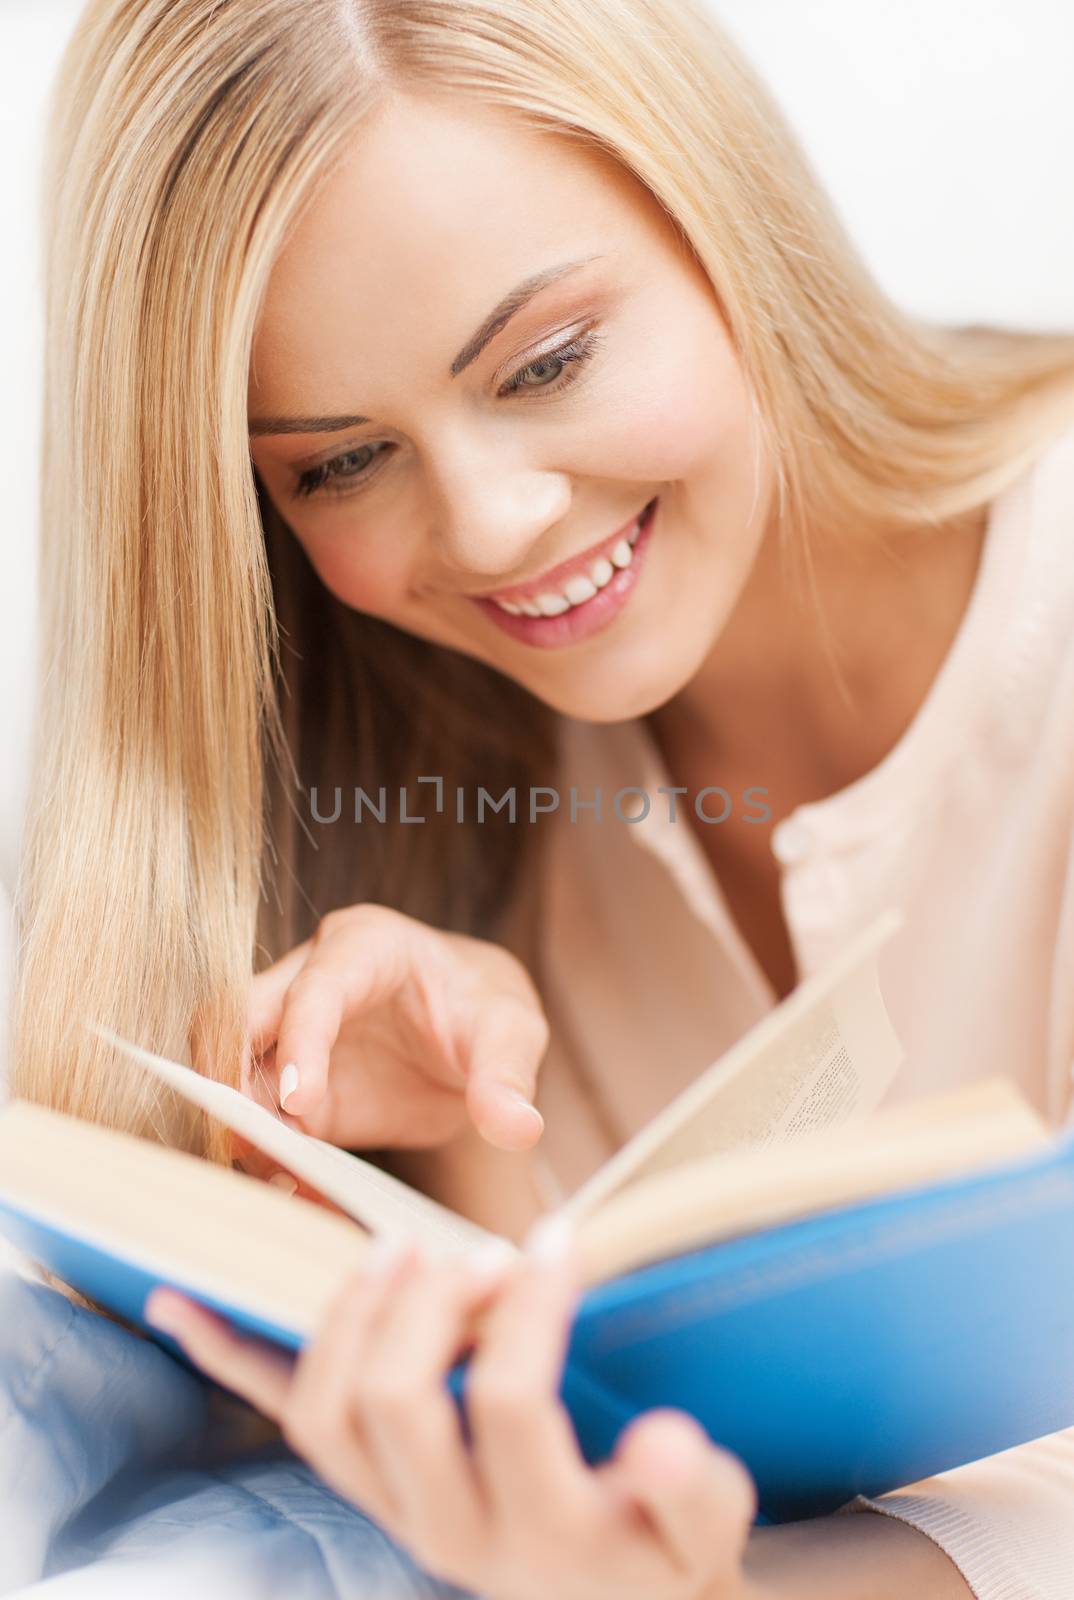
[[611, 694]]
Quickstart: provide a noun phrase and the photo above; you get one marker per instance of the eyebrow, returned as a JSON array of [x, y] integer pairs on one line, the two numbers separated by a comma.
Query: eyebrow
[[494, 323]]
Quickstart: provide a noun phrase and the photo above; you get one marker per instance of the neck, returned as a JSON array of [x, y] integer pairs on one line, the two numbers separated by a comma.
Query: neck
[[812, 689]]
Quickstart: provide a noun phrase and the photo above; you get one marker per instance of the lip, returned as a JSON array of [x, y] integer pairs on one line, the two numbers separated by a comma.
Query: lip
[[555, 576], [580, 622]]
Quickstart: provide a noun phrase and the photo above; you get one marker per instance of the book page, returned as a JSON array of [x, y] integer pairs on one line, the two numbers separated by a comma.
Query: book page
[[823, 1056], [376, 1199], [977, 1127]]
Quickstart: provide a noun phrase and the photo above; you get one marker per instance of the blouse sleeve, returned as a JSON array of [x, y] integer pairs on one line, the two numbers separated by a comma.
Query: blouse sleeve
[[1006, 1522]]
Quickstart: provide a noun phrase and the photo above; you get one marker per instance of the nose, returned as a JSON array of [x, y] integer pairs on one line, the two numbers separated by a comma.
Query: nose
[[490, 524]]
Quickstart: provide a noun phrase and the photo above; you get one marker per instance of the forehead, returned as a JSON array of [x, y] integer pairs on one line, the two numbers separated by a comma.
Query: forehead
[[435, 211]]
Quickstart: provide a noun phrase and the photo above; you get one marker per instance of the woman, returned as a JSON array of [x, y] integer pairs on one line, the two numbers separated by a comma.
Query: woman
[[484, 393]]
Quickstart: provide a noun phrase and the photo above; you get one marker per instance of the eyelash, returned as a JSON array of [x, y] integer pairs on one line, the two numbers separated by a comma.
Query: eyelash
[[327, 478]]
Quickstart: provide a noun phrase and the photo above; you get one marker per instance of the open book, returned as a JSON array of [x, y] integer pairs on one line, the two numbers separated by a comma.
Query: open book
[[819, 1061], [710, 1210]]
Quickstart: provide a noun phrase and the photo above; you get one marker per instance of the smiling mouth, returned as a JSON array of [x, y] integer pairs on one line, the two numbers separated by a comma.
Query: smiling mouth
[[551, 620], [573, 582]]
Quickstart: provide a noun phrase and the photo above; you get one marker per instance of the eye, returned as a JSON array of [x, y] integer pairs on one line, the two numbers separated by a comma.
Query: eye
[[335, 476], [556, 369]]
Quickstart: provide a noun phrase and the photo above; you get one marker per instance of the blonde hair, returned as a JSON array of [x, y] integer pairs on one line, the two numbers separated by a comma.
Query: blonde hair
[[195, 675]]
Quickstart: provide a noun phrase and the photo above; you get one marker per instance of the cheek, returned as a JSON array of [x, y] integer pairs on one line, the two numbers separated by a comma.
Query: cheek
[[691, 416], [359, 571]]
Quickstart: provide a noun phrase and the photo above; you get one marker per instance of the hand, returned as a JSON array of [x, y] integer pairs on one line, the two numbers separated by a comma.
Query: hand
[[383, 1032], [520, 1516]]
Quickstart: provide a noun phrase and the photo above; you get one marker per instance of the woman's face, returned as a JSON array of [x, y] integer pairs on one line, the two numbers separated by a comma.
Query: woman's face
[[441, 439]]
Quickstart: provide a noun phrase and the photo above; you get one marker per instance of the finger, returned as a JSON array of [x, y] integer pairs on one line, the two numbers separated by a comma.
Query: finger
[[409, 1415], [320, 1420], [699, 1499], [356, 964], [525, 1445], [259, 1079], [249, 1367], [267, 1168], [252, 1160], [264, 1005], [508, 1042]]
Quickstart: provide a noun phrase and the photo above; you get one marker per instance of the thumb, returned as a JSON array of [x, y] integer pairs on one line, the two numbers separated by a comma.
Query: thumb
[[700, 1499], [506, 1047]]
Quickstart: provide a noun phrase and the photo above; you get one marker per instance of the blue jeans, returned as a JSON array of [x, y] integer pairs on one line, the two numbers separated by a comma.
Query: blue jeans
[[115, 1480]]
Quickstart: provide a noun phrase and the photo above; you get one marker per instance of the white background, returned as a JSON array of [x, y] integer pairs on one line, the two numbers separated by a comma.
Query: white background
[[944, 129]]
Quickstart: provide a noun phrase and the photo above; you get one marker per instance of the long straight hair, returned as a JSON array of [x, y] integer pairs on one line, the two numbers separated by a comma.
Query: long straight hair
[[196, 679]]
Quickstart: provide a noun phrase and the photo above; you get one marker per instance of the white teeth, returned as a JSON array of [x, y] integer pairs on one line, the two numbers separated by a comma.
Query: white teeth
[[579, 589]]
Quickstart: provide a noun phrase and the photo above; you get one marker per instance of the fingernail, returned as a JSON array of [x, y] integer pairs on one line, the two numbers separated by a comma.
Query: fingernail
[[487, 1260], [161, 1314], [526, 1105], [549, 1240], [288, 1084], [284, 1181]]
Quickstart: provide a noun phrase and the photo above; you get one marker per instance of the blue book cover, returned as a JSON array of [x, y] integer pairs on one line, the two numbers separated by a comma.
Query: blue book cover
[[847, 1353]]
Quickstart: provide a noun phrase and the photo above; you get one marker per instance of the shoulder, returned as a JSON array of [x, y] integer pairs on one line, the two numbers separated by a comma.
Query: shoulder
[[1013, 664], [1050, 495], [1038, 507], [1033, 525], [1047, 501]]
